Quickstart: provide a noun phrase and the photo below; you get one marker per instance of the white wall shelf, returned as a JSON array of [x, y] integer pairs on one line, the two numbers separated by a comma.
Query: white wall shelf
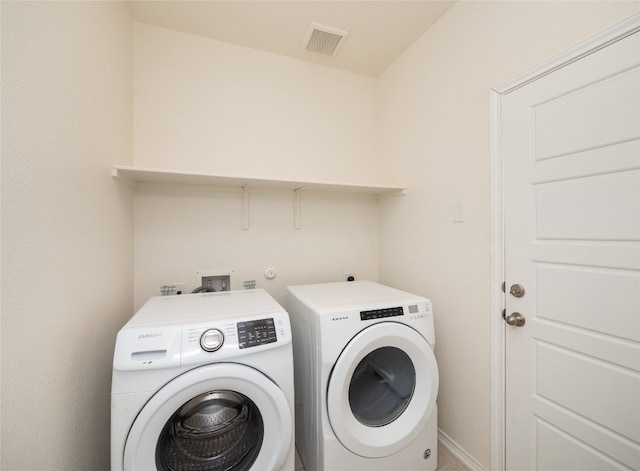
[[135, 175]]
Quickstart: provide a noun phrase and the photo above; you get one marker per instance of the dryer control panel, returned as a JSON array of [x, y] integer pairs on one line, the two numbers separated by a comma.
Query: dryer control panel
[[381, 313]]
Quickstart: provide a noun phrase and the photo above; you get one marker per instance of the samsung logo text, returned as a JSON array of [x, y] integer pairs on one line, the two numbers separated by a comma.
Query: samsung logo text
[[151, 335]]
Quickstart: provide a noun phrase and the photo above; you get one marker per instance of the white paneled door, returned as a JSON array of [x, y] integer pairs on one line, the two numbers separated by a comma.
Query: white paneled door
[[571, 205]]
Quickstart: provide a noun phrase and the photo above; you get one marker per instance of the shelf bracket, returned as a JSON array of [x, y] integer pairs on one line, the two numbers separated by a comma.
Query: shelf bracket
[[297, 210], [245, 207]]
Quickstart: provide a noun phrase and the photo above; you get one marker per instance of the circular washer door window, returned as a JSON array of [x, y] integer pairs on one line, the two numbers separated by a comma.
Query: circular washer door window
[[382, 389], [223, 416], [214, 431]]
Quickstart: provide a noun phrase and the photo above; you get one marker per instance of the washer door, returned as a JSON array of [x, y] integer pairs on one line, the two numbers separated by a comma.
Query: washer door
[[382, 390], [216, 417]]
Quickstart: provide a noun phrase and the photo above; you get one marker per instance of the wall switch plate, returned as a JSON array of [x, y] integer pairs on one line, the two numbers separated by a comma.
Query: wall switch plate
[[458, 212]]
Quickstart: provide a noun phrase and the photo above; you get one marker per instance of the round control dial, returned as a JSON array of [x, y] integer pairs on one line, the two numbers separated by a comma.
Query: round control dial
[[211, 340]]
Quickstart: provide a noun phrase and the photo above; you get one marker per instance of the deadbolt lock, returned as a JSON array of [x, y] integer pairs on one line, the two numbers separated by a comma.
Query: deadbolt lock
[[516, 290]]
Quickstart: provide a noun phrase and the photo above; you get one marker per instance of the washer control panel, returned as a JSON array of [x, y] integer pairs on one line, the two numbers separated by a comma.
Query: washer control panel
[[256, 332], [229, 338], [174, 331]]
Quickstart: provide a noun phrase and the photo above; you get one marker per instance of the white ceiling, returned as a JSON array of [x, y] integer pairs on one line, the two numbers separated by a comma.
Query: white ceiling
[[379, 31]]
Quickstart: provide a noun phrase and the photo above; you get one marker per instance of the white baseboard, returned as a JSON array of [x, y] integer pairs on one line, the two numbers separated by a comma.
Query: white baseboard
[[458, 452]]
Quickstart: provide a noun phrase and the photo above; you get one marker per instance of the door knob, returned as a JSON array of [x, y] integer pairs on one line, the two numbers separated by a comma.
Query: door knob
[[515, 319], [516, 290]]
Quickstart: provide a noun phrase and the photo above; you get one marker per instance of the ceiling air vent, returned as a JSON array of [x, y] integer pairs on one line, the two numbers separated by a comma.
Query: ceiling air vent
[[324, 40]]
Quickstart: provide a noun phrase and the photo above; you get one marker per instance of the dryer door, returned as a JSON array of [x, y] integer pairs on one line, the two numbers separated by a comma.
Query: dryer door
[[222, 416], [382, 389]]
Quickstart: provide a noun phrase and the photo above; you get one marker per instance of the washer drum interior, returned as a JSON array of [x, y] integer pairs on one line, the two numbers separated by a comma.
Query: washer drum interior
[[216, 431]]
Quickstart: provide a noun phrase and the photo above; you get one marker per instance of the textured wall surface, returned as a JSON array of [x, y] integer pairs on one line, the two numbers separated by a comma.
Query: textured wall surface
[[67, 229]]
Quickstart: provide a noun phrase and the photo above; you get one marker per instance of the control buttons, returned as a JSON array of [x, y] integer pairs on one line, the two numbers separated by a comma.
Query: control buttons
[[381, 313], [256, 332], [211, 340]]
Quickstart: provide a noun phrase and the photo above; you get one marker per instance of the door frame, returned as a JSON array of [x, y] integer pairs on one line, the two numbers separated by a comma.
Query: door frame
[[498, 331]]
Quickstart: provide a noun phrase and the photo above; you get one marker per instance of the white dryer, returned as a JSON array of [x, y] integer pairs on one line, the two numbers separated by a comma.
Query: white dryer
[[204, 382], [366, 377]]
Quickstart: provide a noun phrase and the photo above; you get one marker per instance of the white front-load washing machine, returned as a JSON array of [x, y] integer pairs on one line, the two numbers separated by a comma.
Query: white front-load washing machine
[[366, 377], [204, 382]]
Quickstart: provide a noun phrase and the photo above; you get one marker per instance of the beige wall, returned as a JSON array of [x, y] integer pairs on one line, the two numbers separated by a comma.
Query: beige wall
[[435, 116], [66, 228], [180, 231], [204, 105]]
